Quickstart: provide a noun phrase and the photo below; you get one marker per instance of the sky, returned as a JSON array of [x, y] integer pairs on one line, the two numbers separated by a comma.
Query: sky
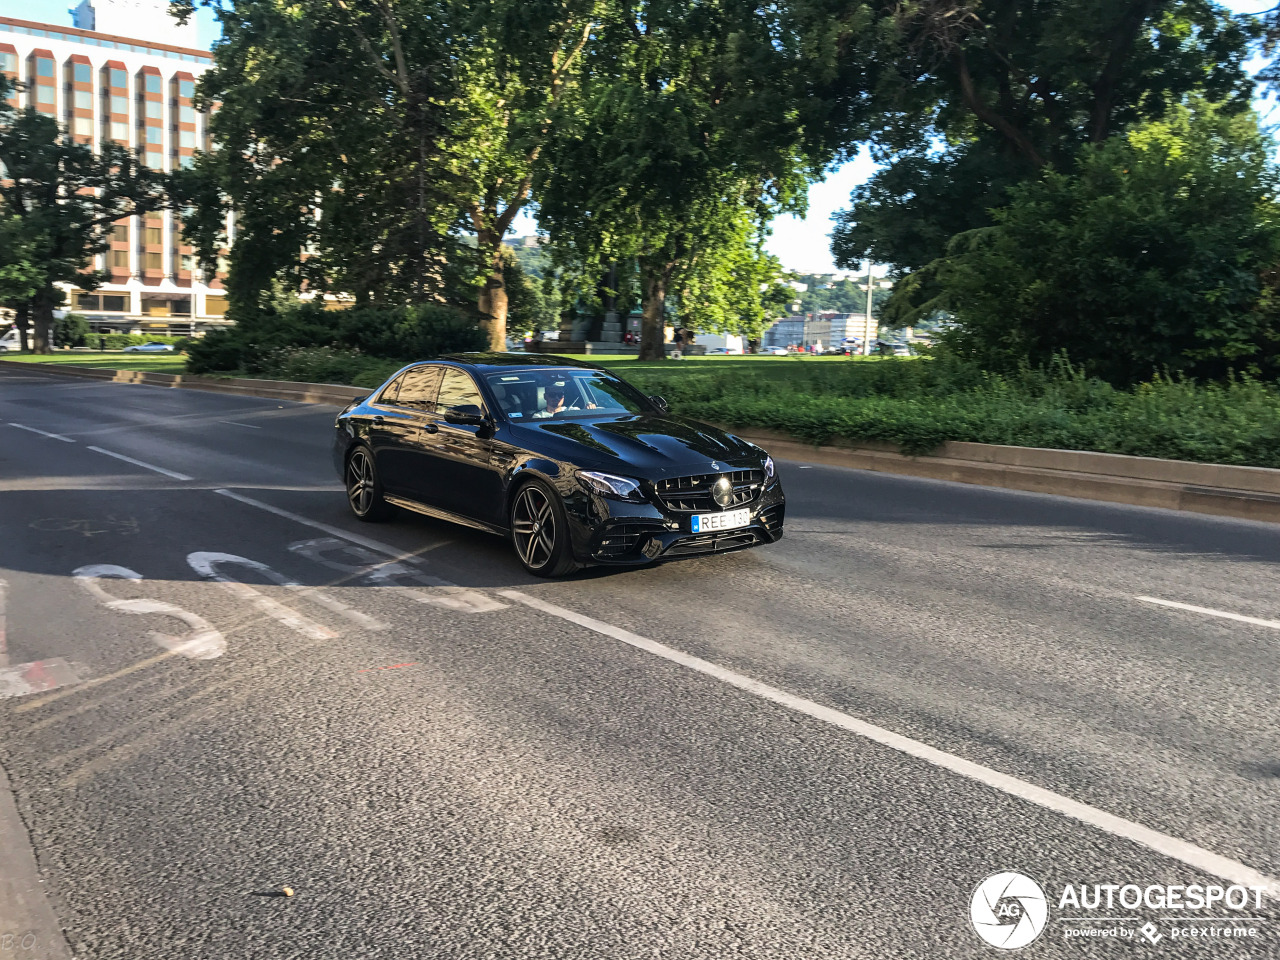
[[803, 245]]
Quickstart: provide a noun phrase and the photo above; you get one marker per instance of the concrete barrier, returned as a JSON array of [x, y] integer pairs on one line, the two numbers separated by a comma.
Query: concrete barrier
[[1251, 493]]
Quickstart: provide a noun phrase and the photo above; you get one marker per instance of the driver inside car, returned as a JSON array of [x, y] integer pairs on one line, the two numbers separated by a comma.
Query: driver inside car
[[554, 397]]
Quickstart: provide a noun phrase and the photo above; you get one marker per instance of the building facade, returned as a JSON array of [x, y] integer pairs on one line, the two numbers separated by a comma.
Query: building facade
[[103, 86]]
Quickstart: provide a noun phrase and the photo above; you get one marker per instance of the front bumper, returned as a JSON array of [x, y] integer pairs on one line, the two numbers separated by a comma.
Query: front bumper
[[622, 533]]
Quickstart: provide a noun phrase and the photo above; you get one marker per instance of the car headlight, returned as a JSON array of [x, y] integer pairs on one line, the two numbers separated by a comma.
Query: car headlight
[[769, 469], [608, 485]]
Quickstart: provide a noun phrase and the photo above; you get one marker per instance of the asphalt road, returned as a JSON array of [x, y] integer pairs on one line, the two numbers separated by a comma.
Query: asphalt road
[[816, 749]]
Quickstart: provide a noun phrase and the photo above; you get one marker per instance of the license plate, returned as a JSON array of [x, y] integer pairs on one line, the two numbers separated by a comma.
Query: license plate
[[729, 520]]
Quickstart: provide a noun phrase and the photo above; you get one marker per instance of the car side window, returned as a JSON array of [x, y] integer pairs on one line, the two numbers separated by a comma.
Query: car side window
[[393, 388], [420, 386], [458, 389]]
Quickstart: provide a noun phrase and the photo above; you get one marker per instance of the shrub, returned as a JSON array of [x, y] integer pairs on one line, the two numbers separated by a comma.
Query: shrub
[[70, 330]]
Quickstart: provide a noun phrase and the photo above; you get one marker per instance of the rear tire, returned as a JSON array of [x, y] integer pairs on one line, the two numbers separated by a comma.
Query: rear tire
[[364, 488], [540, 531]]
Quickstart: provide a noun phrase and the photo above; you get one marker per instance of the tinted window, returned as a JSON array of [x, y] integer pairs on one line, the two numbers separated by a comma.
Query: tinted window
[[419, 386], [81, 72], [458, 389], [537, 394], [393, 388]]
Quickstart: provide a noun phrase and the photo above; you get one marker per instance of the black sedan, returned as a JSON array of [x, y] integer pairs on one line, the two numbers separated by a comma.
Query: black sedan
[[573, 464]]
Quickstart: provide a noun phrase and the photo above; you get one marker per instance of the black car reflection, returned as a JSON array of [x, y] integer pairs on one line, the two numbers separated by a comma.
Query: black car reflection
[[573, 464]]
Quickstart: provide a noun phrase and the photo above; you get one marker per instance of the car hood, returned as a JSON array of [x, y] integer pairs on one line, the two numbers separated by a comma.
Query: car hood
[[646, 444]]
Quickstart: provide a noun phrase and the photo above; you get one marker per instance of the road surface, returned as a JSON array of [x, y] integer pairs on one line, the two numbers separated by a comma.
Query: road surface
[[215, 684]]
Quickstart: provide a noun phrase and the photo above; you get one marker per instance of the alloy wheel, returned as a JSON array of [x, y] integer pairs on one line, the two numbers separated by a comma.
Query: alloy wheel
[[360, 483], [534, 527]]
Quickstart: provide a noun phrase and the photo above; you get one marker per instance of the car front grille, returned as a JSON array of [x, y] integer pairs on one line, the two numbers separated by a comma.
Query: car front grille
[[712, 543], [693, 494]]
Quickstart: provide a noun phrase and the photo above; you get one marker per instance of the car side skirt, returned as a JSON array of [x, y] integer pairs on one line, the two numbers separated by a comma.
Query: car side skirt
[[437, 514]]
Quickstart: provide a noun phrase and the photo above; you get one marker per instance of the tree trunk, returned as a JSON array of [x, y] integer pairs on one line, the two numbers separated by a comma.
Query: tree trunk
[[653, 326], [42, 313], [22, 320], [493, 301]]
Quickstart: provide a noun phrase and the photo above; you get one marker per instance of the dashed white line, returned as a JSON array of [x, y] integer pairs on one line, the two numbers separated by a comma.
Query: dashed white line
[[43, 433], [4, 647], [1208, 611], [236, 424], [139, 463], [1204, 860]]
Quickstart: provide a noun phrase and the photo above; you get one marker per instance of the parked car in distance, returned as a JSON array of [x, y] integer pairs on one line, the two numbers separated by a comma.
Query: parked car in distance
[[777, 351], [149, 348], [570, 463]]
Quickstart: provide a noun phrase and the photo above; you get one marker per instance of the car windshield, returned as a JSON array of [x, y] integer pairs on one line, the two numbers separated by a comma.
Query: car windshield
[[563, 394]]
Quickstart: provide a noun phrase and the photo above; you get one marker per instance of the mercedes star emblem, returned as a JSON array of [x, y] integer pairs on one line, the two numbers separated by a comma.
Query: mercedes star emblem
[[722, 491]]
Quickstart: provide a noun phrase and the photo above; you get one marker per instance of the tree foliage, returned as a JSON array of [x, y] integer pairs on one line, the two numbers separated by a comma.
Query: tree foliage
[[683, 128], [964, 99], [1151, 258]]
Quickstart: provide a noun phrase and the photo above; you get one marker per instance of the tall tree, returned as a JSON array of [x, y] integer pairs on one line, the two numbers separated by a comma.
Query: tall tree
[[683, 121], [962, 99], [368, 133], [57, 201]]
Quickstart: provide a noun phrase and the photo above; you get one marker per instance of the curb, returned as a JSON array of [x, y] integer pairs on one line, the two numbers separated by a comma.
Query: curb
[[1224, 490]]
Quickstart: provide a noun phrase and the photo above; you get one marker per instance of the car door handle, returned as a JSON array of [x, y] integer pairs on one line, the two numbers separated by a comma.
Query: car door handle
[[379, 418], [430, 428]]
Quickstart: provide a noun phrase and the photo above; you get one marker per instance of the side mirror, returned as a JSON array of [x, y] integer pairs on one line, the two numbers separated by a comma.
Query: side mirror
[[465, 413], [660, 403]]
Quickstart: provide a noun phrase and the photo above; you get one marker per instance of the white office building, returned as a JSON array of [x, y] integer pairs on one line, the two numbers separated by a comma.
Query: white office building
[[126, 72]]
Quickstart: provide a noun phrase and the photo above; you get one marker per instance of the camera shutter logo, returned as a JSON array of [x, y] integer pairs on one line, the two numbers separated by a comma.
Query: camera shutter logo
[[1008, 910]]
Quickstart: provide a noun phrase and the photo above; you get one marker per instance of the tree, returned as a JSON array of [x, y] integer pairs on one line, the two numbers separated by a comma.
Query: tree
[[683, 120], [367, 133], [963, 100], [333, 125], [57, 200], [1152, 257]]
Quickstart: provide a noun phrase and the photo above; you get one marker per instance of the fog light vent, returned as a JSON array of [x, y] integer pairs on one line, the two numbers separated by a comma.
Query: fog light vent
[[651, 548]]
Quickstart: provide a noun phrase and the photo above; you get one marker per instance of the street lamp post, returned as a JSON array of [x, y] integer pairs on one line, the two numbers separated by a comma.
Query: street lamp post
[[866, 331]]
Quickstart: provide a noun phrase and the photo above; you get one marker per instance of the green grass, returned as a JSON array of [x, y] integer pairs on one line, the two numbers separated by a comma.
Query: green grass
[[111, 360]]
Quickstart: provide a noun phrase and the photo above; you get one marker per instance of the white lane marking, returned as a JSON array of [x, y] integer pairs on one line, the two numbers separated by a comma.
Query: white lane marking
[[1197, 857], [387, 573], [4, 647], [43, 433], [235, 424], [39, 676], [139, 463], [1273, 624], [202, 642], [458, 598], [205, 564]]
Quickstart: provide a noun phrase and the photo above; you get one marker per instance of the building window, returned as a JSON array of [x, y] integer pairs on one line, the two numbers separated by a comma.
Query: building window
[[154, 111], [186, 163], [152, 261], [154, 159], [120, 105], [82, 126], [120, 232], [152, 83], [119, 131], [120, 259], [114, 304], [8, 61], [187, 138], [87, 301], [44, 68], [155, 236], [155, 135], [44, 94], [187, 114], [80, 71], [83, 99], [119, 78], [186, 88]]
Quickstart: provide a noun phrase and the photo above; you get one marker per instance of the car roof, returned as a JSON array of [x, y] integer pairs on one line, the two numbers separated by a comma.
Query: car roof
[[508, 361]]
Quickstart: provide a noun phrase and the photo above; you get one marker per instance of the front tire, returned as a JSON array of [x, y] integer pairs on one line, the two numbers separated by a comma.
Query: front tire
[[364, 489], [540, 531]]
